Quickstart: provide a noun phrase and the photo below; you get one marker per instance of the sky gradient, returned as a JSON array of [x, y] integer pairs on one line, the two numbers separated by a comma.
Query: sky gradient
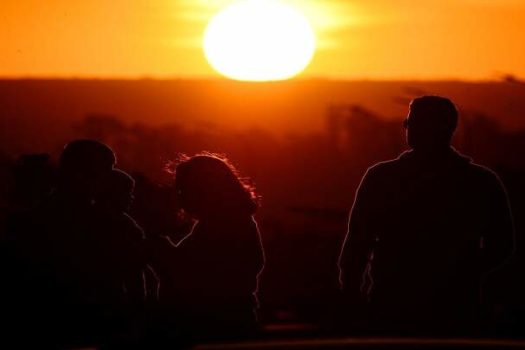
[[373, 39]]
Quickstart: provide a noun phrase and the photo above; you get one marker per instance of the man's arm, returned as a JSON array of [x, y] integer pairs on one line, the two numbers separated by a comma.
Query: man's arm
[[498, 239], [357, 244]]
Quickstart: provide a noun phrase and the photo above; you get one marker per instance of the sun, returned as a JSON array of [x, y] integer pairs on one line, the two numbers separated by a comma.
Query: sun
[[259, 40]]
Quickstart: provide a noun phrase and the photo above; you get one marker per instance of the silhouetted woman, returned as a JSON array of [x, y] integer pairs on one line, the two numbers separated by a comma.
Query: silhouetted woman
[[219, 261]]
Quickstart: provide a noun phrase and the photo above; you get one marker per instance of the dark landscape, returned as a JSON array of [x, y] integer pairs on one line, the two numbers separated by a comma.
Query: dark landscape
[[305, 144]]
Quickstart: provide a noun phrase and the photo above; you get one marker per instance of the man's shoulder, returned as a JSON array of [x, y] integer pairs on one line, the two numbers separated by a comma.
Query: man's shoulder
[[484, 174], [384, 168], [482, 170]]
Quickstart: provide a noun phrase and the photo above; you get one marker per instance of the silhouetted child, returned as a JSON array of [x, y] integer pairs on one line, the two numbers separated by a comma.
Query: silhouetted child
[[113, 200], [219, 261], [125, 248]]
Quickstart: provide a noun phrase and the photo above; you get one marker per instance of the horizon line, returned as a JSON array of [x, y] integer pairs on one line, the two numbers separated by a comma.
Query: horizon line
[[501, 79]]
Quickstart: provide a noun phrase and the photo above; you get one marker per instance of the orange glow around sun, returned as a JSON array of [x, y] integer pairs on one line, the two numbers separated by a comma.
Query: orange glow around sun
[[259, 40], [263, 39]]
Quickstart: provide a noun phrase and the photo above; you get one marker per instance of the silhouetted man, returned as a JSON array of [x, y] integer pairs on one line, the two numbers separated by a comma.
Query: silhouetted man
[[55, 281], [423, 230]]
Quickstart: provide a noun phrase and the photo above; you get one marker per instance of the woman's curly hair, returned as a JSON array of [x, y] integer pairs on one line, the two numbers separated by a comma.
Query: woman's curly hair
[[208, 184]]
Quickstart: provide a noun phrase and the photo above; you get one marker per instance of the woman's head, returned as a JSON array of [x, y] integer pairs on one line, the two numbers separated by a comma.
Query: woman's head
[[208, 185]]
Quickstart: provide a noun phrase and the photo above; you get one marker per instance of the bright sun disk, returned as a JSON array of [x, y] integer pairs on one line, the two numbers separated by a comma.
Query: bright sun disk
[[259, 40]]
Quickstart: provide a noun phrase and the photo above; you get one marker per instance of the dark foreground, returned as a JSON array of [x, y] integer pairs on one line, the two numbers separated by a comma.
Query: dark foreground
[[372, 343]]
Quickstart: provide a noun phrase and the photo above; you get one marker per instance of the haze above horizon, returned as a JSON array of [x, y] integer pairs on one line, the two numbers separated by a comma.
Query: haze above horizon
[[376, 40]]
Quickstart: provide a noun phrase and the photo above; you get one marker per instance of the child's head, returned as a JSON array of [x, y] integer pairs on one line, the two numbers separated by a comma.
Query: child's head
[[116, 191], [208, 185]]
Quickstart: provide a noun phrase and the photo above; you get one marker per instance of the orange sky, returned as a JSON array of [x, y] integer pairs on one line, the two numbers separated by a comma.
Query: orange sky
[[370, 39]]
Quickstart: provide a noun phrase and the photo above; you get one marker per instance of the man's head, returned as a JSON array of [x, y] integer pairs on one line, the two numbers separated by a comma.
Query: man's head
[[83, 164], [430, 123]]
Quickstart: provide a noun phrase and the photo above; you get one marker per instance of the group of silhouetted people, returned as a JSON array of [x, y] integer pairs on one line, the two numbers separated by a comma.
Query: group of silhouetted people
[[76, 266], [424, 231]]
